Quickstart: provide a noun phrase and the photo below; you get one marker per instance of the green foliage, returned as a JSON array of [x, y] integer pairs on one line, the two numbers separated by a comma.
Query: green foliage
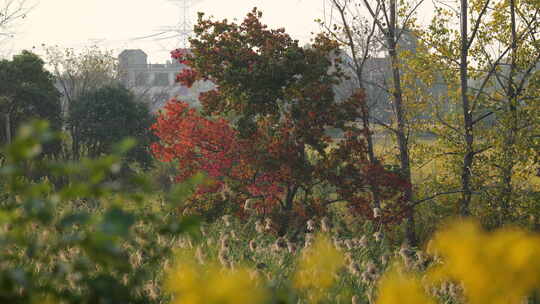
[[504, 111], [27, 91], [103, 117], [89, 241]]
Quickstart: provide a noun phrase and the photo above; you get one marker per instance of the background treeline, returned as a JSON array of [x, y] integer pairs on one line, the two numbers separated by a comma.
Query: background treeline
[[374, 134], [82, 97]]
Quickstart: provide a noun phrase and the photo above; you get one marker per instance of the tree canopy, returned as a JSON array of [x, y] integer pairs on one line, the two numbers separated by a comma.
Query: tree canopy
[[262, 133], [27, 91], [104, 116]]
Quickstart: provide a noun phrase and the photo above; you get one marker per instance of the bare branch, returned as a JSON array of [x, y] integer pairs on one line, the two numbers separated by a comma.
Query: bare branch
[[12, 11], [435, 196]]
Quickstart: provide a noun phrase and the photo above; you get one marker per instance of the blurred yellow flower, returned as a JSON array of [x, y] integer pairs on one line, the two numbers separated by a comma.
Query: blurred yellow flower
[[317, 267], [192, 283], [494, 267], [396, 286]]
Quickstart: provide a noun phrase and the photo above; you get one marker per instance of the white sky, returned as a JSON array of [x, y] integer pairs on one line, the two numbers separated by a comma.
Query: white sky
[[113, 24]]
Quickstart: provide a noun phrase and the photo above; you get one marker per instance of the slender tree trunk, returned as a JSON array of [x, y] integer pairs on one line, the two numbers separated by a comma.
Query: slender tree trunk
[[467, 117], [7, 121], [402, 140], [358, 69], [287, 214], [369, 136], [511, 128], [371, 154], [75, 145]]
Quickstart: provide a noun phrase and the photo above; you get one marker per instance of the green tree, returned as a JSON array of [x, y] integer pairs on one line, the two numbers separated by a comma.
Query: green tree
[[27, 91], [511, 104], [80, 72], [102, 117], [486, 131]]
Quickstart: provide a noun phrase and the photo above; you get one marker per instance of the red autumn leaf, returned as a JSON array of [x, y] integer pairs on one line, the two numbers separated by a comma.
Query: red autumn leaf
[[275, 148]]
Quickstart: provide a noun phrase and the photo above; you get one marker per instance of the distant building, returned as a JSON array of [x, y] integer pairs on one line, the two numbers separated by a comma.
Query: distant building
[[156, 83], [377, 80]]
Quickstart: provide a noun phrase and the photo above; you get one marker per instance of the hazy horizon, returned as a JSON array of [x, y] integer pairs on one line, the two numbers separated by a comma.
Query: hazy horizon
[[117, 25]]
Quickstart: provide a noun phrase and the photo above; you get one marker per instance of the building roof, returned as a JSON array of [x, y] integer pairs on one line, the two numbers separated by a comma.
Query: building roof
[[131, 52]]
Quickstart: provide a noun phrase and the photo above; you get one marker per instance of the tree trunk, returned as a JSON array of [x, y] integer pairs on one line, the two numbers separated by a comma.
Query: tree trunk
[[74, 145], [467, 118], [371, 154], [7, 118], [287, 213], [358, 69], [511, 129], [402, 140]]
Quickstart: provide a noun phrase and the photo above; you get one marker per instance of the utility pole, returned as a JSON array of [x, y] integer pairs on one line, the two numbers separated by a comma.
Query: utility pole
[[184, 28], [176, 36]]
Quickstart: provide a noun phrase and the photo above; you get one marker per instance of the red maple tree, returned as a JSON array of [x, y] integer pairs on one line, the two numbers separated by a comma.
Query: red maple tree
[[274, 147]]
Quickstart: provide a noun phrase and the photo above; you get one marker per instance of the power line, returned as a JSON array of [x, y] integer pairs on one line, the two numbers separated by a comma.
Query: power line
[[181, 31]]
